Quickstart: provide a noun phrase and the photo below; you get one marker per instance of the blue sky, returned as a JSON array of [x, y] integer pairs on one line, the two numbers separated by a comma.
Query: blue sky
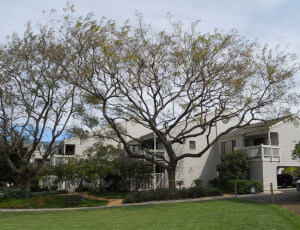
[[270, 21]]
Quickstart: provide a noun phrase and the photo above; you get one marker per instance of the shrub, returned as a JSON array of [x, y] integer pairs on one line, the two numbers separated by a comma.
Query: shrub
[[257, 185], [51, 192], [244, 186], [35, 188], [180, 183], [214, 192], [166, 194], [233, 166], [196, 191], [54, 187], [11, 192], [197, 182]]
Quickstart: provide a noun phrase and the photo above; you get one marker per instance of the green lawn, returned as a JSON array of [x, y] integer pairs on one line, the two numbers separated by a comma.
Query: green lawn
[[222, 214], [50, 201]]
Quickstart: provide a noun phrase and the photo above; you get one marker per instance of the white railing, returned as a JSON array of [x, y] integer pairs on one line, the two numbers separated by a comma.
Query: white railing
[[263, 151], [157, 182], [158, 154], [57, 159]]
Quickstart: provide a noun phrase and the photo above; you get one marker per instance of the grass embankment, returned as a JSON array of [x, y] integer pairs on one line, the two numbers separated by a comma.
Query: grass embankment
[[49, 201], [220, 214]]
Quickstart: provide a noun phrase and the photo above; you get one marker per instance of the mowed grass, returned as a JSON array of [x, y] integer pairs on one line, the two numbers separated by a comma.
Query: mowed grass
[[221, 214], [50, 201]]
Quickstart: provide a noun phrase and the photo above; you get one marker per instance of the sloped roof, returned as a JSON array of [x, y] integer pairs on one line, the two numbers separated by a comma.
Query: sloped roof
[[256, 127]]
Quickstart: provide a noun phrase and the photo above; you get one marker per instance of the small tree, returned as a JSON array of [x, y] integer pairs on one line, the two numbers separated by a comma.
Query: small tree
[[77, 171], [296, 151], [233, 166]]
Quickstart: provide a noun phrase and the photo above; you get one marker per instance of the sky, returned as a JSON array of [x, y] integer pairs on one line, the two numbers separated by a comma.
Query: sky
[[270, 21]]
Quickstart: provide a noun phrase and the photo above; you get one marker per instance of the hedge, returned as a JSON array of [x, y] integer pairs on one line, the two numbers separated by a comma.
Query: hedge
[[166, 194], [244, 186]]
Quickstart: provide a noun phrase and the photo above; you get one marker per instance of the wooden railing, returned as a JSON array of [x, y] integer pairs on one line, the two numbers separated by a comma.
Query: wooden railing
[[263, 151], [158, 154]]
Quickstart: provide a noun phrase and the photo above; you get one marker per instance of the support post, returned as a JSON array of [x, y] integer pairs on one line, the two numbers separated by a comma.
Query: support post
[[235, 189], [262, 152]]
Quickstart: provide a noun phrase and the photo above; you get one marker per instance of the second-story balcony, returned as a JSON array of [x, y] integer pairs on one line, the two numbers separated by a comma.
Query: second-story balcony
[[263, 152], [158, 154]]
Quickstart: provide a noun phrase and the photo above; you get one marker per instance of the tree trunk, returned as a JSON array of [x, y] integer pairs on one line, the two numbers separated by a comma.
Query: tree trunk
[[27, 186], [80, 188], [171, 178]]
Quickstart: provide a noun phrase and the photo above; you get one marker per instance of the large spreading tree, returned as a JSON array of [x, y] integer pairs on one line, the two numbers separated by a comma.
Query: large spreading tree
[[178, 83], [35, 101]]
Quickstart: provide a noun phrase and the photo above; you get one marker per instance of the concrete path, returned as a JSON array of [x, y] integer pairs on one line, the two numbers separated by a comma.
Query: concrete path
[[281, 196]]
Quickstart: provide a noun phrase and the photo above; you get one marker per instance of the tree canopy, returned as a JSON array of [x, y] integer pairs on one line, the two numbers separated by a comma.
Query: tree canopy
[[35, 100], [177, 82]]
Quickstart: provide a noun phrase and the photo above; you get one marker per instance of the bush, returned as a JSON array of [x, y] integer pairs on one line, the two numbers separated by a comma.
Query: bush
[[214, 192], [197, 182], [54, 187], [244, 186], [11, 192], [166, 194], [233, 166], [52, 192], [35, 188]]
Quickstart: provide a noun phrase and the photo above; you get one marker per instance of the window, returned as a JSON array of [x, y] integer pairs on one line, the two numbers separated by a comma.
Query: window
[[228, 146], [192, 144], [70, 149]]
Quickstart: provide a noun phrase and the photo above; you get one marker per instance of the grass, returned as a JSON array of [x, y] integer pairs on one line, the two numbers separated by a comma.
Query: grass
[[49, 201], [219, 214], [110, 194]]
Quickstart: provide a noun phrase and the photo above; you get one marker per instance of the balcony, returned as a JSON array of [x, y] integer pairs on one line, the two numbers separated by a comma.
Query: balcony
[[263, 152], [158, 154], [58, 159]]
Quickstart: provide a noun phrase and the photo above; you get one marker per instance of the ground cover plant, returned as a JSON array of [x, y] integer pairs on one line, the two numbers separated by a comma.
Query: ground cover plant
[[220, 214], [49, 201], [110, 194]]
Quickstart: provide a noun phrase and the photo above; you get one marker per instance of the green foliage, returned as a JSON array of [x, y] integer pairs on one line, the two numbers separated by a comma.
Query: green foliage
[[292, 170], [78, 171], [179, 183], [7, 175], [128, 172], [166, 194], [197, 182], [244, 186], [11, 192], [109, 194], [296, 151], [233, 166], [48, 201], [51, 192]]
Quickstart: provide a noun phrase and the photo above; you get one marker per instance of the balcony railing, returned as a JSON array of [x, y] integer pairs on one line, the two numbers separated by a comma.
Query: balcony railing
[[263, 152], [57, 159], [158, 154]]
